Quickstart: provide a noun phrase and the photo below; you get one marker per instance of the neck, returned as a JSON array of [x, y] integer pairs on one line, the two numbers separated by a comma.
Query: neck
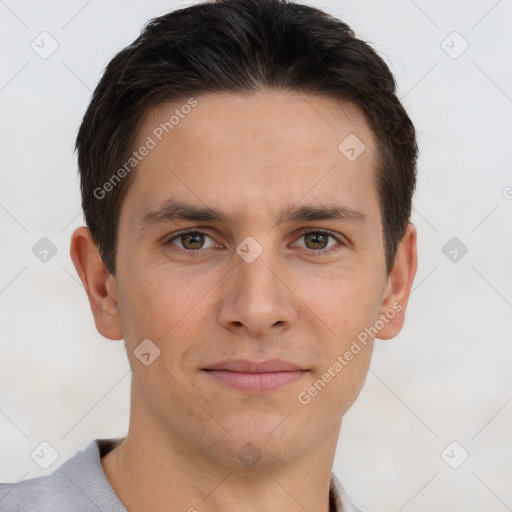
[[157, 471]]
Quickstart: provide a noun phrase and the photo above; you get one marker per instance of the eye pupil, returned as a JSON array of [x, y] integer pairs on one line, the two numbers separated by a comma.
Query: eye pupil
[[315, 237], [198, 240]]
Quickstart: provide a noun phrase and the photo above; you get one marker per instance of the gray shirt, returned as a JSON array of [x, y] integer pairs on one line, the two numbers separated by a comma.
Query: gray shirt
[[80, 485]]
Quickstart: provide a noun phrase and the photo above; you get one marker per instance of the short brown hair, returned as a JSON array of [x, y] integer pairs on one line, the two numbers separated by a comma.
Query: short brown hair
[[241, 46]]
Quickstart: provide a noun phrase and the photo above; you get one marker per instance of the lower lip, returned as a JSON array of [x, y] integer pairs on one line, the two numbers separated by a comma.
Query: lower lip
[[256, 382]]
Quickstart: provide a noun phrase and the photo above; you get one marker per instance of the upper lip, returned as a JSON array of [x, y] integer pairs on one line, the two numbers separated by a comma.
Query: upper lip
[[244, 366]]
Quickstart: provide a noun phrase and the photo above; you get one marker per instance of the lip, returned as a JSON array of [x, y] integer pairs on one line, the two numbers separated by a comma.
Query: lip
[[245, 366], [255, 377]]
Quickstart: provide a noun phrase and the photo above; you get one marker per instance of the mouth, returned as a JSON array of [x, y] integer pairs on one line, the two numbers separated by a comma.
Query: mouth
[[253, 377]]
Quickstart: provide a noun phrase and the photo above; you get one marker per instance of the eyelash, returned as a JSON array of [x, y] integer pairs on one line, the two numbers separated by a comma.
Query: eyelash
[[303, 233]]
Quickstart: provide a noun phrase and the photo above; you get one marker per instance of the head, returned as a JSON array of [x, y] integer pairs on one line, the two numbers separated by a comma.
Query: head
[[274, 136]]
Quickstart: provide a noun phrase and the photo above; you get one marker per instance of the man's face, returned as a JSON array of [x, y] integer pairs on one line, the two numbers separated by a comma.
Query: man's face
[[250, 288]]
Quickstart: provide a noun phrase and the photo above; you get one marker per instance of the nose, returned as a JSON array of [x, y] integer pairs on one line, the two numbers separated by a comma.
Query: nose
[[256, 297]]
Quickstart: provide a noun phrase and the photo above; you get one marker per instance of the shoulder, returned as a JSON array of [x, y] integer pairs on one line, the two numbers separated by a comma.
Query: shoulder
[[8, 497], [33, 494], [78, 485]]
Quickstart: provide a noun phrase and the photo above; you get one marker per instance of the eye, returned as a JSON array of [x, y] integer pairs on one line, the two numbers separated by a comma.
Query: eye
[[317, 241], [191, 240]]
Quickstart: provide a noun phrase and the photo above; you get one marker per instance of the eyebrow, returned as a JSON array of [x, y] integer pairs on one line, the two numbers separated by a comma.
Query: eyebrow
[[173, 210]]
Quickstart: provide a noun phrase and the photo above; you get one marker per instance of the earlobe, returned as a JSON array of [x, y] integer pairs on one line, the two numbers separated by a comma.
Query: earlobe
[[98, 283], [399, 284]]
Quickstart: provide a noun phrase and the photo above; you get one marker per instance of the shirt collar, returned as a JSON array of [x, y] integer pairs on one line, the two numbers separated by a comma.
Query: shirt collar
[[339, 500]]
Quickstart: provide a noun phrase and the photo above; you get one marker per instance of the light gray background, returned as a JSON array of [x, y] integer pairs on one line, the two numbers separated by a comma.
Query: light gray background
[[447, 376]]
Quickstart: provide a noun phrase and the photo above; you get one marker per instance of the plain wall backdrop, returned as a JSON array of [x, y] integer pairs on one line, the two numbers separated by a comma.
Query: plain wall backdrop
[[437, 394]]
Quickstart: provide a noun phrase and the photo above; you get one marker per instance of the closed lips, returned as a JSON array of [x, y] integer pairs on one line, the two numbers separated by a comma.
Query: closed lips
[[244, 366], [252, 377]]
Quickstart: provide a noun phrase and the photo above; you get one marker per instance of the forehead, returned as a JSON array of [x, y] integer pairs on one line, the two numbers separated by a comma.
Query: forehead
[[262, 150], [284, 121]]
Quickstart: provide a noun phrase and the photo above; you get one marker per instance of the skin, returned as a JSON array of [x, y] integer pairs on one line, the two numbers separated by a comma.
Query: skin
[[249, 156]]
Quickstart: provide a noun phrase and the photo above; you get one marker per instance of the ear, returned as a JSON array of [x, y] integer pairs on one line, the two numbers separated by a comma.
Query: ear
[[99, 284], [398, 287]]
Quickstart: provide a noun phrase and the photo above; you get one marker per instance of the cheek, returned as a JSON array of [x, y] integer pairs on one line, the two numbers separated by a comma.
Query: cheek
[[332, 391], [343, 312], [156, 301], [343, 303], [142, 308], [168, 309]]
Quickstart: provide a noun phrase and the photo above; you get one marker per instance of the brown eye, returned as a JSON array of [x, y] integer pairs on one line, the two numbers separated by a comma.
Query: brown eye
[[190, 240], [317, 241]]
